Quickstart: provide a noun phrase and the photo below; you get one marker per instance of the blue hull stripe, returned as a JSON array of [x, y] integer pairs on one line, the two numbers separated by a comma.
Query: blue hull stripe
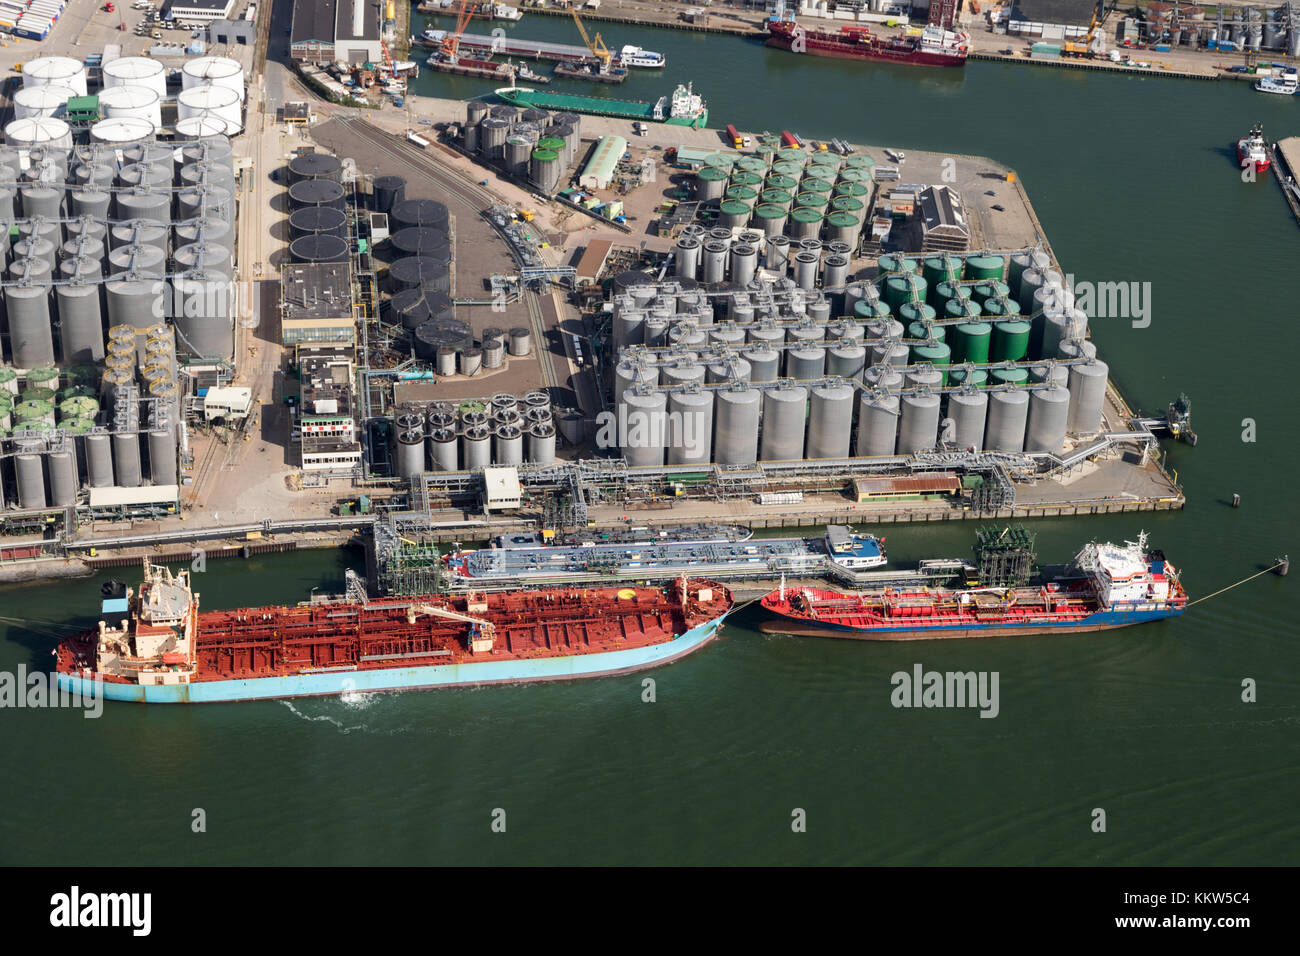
[[407, 678]]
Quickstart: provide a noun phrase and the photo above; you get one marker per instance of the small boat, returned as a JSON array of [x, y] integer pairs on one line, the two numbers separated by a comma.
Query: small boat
[[1252, 149], [1286, 84], [636, 56]]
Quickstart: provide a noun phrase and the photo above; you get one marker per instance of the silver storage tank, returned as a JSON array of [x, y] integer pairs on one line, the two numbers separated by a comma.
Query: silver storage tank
[[735, 425], [81, 324], [764, 364], [162, 453], [690, 426], [918, 425], [31, 340], [1008, 415], [99, 460], [136, 302], [644, 428], [744, 262], [1087, 396], [846, 361], [62, 468], [968, 411], [830, 421], [877, 424], [508, 445], [126, 459], [476, 448], [805, 364], [541, 443], [1049, 409], [29, 473], [687, 257], [520, 342], [410, 453], [785, 409], [443, 452]]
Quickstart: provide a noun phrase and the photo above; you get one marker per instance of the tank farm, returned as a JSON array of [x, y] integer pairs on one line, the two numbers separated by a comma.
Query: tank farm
[[117, 278]]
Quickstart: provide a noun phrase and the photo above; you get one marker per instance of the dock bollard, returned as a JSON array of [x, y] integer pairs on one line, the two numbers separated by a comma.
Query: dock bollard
[[1282, 566], [1236, 501]]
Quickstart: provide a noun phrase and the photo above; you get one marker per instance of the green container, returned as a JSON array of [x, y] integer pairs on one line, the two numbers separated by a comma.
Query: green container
[[75, 391], [961, 308], [786, 183], [814, 185], [859, 161], [967, 376], [734, 207], [901, 288], [744, 178], [77, 426], [892, 262], [925, 330], [945, 292], [866, 311], [984, 291], [940, 268], [32, 412], [793, 154], [1002, 306], [970, 342], [545, 155], [550, 142], [777, 197], [1010, 341], [812, 200], [910, 312], [81, 406], [713, 174], [806, 214], [983, 267], [1011, 375], [745, 193], [793, 170], [37, 393], [44, 376], [856, 190], [751, 164], [822, 171], [769, 210], [937, 354], [855, 208], [855, 176]]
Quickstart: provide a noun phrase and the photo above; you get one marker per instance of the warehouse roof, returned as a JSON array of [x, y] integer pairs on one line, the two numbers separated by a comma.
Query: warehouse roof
[[357, 20], [593, 260], [600, 168], [945, 481], [313, 20]]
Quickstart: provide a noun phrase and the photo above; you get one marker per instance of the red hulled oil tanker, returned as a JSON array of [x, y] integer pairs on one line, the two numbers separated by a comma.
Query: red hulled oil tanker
[[1107, 586], [934, 46], [153, 644]]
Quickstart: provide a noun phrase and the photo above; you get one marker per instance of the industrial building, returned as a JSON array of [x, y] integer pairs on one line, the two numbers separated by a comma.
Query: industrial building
[[326, 411], [604, 159], [327, 31], [198, 11], [316, 302], [943, 221]]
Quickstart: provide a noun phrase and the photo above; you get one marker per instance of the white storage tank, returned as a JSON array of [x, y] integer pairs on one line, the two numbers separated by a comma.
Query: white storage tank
[[56, 71], [122, 131], [139, 102], [197, 127], [213, 71], [42, 101], [38, 131], [219, 101], [136, 71]]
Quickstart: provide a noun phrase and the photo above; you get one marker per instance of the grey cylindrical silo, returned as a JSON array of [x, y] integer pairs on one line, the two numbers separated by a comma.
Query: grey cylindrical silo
[[1008, 415], [205, 230], [31, 340], [878, 414], [62, 469], [776, 257], [442, 449], [918, 424], [29, 472], [805, 269], [141, 260], [744, 262], [764, 364], [690, 426], [162, 456], [475, 448], [714, 268], [541, 443], [81, 324], [830, 420], [805, 364], [508, 445], [90, 202], [682, 372], [728, 368], [1050, 372], [204, 316], [644, 427], [99, 460], [687, 257], [1048, 413], [135, 301], [846, 361], [1075, 348], [39, 248], [42, 200], [143, 202], [835, 271], [139, 232], [153, 175], [968, 410], [735, 425], [208, 258], [1087, 396], [410, 453], [519, 342], [127, 471], [215, 202], [784, 420]]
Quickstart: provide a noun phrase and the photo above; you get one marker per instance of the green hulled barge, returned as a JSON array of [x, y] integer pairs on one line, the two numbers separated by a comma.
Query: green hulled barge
[[683, 107]]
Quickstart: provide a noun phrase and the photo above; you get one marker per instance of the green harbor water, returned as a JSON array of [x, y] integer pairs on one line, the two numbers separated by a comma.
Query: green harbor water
[[1134, 180]]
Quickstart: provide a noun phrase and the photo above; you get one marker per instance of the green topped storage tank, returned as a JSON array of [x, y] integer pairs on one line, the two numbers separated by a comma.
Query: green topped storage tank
[[1010, 341], [812, 184], [812, 200], [924, 330], [793, 170], [965, 375], [786, 183], [716, 161], [983, 267], [746, 193], [1001, 305], [793, 154], [970, 342], [944, 267], [937, 354], [916, 312], [866, 311], [892, 262], [743, 177], [805, 222], [859, 161], [776, 197], [37, 394], [984, 291], [1009, 375], [946, 291], [856, 207], [855, 175], [903, 287], [856, 190], [751, 164], [961, 309]]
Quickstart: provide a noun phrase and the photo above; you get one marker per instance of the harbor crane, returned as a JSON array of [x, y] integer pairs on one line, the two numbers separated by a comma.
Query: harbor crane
[[451, 42], [595, 45], [482, 633], [1094, 43]]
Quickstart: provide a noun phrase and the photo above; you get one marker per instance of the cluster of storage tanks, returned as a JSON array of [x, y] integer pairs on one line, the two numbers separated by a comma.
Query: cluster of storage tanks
[[977, 352], [790, 192], [71, 429], [720, 254], [530, 144], [502, 430], [210, 102], [108, 236]]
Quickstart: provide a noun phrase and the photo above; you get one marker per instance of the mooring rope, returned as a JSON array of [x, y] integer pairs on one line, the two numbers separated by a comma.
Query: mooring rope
[[1231, 586]]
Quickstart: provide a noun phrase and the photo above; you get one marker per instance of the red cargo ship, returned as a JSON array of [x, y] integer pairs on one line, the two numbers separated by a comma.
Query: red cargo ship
[[935, 46], [154, 645]]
